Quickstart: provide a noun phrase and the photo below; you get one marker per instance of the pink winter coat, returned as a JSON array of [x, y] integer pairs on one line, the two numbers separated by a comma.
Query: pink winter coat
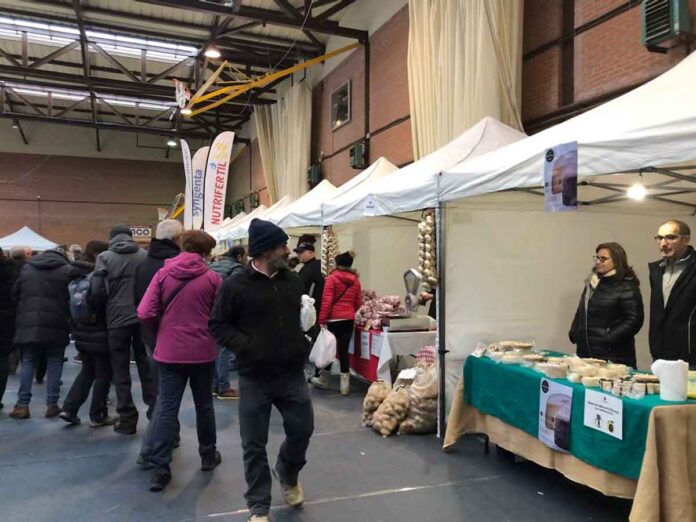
[[182, 336]]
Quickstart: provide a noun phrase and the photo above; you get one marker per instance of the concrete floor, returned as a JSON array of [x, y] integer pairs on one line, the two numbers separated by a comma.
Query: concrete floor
[[50, 471]]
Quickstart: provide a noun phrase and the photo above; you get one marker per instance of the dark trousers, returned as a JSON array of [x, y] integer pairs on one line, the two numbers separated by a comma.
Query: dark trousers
[[4, 372], [40, 366], [95, 374], [342, 330], [289, 394], [15, 357], [120, 342], [165, 421]]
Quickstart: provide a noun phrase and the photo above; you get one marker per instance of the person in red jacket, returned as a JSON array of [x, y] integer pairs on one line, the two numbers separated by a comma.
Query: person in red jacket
[[341, 299]]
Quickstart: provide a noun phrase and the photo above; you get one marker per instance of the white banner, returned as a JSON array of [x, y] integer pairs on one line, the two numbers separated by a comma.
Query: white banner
[[188, 191], [216, 181], [198, 178]]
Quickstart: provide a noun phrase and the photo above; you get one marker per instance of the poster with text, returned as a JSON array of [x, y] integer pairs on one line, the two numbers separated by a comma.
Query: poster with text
[[198, 179], [555, 407], [215, 191], [561, 177], [604, 413]]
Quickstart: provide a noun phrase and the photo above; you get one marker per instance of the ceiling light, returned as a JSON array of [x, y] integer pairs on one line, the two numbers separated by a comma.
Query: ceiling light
[[212, 52], [15, 124], [186, 111], [171, 142], [637, 192]]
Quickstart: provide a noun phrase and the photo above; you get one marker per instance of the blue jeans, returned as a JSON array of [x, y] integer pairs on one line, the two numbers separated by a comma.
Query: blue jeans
[[224, 363], [30, 355], [164, 424]]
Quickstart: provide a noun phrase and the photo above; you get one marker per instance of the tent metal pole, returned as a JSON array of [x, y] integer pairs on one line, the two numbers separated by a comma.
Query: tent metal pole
[[440, 304]]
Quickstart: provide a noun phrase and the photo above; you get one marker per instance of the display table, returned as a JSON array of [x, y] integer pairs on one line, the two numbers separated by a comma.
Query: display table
[[371, 352], [655, 463]]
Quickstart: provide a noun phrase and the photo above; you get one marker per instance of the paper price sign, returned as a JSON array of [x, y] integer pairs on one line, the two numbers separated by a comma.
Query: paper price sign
[[604, 413]]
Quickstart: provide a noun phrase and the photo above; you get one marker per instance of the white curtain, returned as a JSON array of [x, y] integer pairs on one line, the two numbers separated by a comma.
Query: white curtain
[[284, 133], [464, 63]]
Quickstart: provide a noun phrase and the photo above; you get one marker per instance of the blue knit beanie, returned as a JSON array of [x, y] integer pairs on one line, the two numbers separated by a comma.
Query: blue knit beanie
[[264, 235]]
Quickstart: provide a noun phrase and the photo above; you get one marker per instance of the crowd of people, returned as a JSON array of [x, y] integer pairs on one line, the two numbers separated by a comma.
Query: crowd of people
[[183, 320]]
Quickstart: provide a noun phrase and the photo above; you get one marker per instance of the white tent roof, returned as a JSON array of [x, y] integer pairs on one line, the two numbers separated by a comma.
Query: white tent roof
[[653, 125], [247, 219], [337, 209], [414, 187], [242, 229], [25, 236], [228, 225], [300, 212]]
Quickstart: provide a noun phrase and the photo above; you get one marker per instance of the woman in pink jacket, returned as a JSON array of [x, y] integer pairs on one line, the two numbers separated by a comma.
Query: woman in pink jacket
[[341, 300], [177, 306]]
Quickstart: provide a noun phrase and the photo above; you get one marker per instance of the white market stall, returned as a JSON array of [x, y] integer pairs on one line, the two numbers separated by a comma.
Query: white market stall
[[241, 230], [26, 237]]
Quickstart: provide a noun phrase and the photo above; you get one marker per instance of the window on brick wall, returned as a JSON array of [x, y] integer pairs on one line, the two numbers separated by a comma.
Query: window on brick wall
[[340, 106]]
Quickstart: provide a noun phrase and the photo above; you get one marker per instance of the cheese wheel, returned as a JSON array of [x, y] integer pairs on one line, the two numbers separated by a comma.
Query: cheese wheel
[[590, 382]]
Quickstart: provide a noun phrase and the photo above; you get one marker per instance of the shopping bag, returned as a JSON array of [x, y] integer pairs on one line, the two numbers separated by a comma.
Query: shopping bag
[[324, 350], [308, 314]]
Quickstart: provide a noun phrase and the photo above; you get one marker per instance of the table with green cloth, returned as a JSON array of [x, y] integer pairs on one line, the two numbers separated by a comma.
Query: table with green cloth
[[502, 401]]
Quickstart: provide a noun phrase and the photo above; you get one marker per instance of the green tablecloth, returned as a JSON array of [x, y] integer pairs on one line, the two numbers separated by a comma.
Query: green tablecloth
[[511, 393]]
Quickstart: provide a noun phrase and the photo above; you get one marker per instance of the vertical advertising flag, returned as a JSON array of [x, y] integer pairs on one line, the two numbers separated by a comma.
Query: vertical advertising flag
[[216, 181], [197, 187], [188, 195]]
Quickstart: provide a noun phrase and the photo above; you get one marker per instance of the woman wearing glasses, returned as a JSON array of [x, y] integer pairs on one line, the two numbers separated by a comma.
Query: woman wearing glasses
[[610, 312]]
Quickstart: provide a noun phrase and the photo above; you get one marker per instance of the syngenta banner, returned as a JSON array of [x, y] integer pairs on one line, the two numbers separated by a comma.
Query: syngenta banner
[[188, 191], [197, 186], [216, 181]]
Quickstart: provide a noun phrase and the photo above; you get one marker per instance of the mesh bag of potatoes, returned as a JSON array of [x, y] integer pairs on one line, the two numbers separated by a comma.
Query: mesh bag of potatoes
[[391, 412], [376, 394], [422, 410]]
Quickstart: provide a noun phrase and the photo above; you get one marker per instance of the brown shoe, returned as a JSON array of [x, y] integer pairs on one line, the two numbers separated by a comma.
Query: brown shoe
[[20, 412], [229, 395], [53, 411]]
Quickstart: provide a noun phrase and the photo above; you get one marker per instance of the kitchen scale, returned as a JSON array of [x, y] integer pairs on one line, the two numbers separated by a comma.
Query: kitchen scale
[[410, 320]]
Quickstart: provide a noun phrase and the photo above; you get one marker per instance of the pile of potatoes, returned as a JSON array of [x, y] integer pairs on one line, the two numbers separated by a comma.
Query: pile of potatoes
[[376, 394], [391, 412], [422, 411]]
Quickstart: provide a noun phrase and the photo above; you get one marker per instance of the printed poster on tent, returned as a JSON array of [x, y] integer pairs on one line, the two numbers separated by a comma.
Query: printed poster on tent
[[555, 408], [561, 177]]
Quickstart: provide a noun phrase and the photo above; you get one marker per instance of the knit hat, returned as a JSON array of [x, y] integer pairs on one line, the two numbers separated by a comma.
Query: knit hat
[[304, 246], [345, 259], [120, 229], [264, 235]]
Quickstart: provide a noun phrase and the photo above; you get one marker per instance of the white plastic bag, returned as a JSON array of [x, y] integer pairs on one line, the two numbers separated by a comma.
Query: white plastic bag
[[308, 314], [324, 350]]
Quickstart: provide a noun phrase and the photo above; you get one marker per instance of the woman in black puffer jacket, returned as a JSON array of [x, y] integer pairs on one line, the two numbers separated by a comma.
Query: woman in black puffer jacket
[[92, 341], [610, 312]]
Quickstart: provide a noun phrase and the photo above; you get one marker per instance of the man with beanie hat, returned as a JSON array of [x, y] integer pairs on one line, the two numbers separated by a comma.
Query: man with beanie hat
[[113, 286], [257, 316]]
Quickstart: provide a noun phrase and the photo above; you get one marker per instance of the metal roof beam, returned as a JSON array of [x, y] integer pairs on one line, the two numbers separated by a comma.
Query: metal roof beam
[[334, 9]]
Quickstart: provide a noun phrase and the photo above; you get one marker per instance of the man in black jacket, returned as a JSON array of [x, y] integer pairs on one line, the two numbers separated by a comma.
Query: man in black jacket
[[113, 284], [310, 273], [42, 325], [257, 316], [673, 297], [164, 246]]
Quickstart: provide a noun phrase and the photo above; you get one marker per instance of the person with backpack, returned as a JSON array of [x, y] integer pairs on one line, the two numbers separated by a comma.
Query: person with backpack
[[176, 307], [341, 300], [92, 342], [230, 263], [42, 325]]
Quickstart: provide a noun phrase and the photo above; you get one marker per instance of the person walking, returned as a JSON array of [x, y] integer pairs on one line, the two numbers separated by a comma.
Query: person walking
[[341, 300], [673, 295], [19, 255], [42, 325], [229, 263], [8, 276], [177, 305], [257, 316], [610, 312], [92, 343], [113, 286]]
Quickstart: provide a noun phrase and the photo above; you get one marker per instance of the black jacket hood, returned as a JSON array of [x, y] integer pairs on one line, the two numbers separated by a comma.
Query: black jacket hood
[[49, 260], [123, 244], [163, 249]]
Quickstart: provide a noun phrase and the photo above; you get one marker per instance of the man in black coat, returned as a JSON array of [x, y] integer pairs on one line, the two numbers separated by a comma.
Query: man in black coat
[[257, 316], [8, 276], [42, 325], [673, 297], [164, 246]]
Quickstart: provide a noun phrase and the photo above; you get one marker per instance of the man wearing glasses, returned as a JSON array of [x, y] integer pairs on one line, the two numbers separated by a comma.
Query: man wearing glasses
[[673, 295]]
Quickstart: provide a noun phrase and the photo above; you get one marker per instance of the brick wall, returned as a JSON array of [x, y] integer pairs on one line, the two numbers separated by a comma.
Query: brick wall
[[607, 57], [81, 198]]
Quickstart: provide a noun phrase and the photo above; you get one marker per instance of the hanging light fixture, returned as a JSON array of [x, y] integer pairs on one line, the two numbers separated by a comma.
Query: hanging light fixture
[[186, 111], [212, 52], [637, 192], [171, 142]]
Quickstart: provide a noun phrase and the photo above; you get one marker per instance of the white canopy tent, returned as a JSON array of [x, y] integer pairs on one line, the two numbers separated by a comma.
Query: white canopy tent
[[26, 237], [241, 230], [228, 225], [246, 220], [300, 213]]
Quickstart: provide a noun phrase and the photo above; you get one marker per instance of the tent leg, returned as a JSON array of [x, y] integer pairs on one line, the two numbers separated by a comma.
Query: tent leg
[[440, 304]]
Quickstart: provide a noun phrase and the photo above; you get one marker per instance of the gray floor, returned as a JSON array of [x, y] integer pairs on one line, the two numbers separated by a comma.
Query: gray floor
[[53, 472]]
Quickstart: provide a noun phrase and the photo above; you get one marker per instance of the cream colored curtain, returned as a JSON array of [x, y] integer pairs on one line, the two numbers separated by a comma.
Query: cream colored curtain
[[464, 63], [284, 133]]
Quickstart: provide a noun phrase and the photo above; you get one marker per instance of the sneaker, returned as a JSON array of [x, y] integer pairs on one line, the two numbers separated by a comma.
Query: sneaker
[[211, 462], [292, 495], [20, 412], [124, 429], [70, 418], [53, 410], [259, 518], [100, 423], [159, 480], [228, 395]]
